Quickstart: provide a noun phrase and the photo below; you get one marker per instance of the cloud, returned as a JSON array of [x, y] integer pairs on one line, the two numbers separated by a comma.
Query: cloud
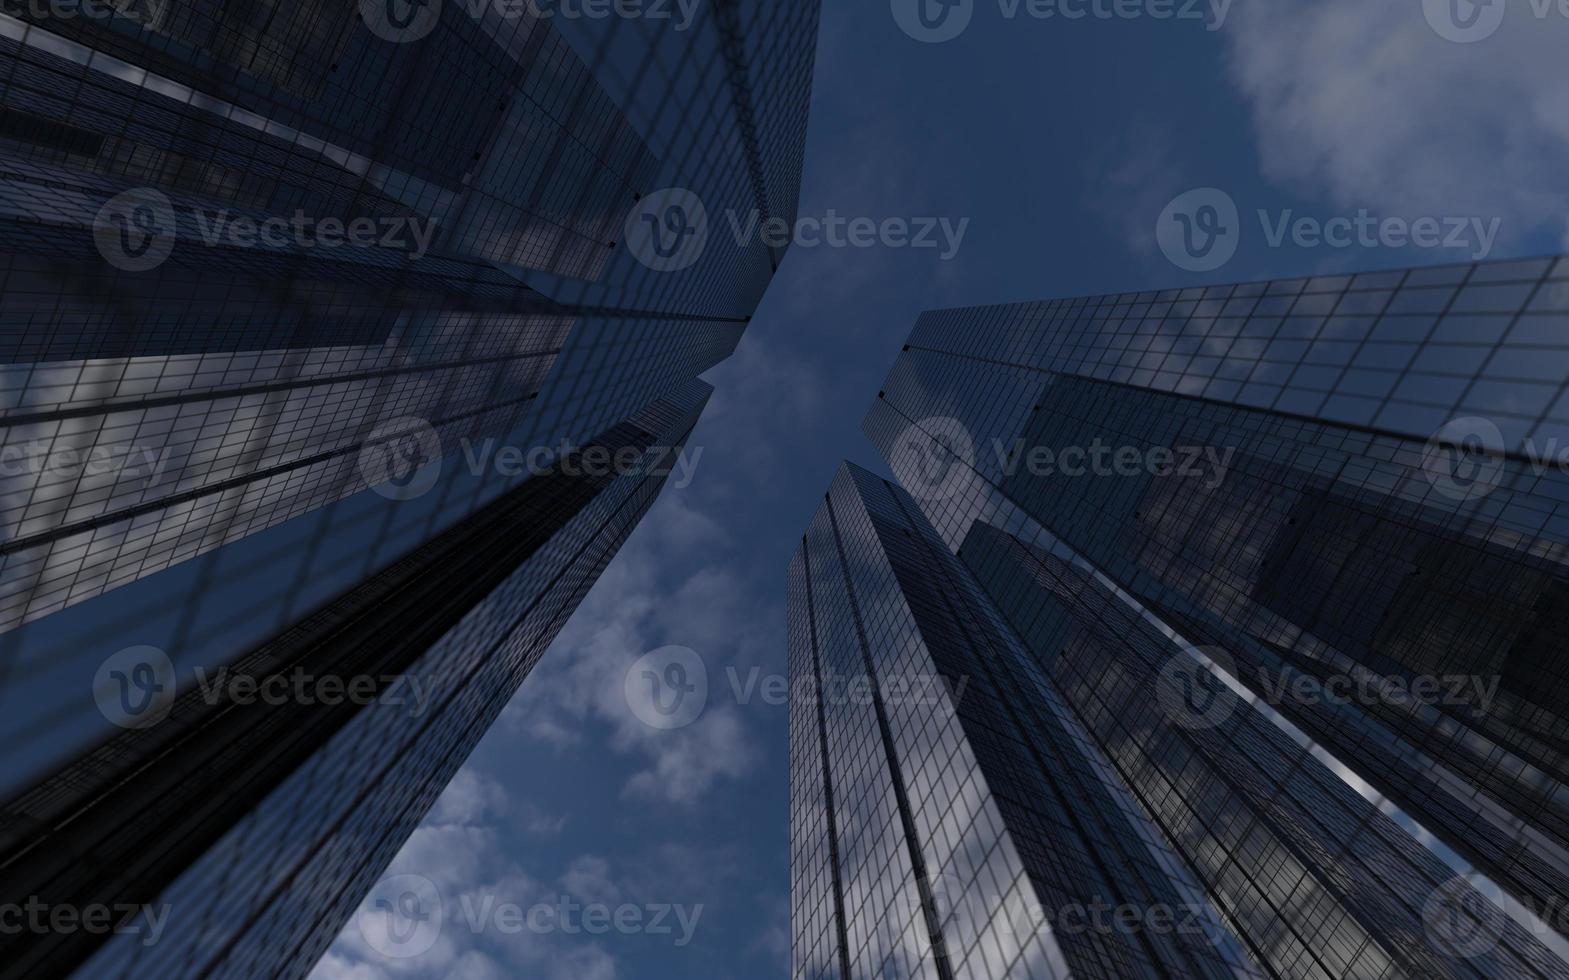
[[1365, 104], [641, 603], [468, 799], [459, 849], [537, 822], [774, 939], [767, 396], [692, 759], [588, 878], [1130, 181]]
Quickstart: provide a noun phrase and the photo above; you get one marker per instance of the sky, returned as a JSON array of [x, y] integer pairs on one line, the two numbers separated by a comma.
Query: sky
[[1064, 149]]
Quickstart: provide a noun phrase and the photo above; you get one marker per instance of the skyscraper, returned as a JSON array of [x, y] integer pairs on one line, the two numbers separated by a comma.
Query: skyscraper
[[283, 287], [1289, 554]]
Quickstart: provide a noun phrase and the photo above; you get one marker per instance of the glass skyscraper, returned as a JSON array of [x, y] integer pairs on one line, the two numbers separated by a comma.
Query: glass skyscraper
[[279, 282], [1287, 560]]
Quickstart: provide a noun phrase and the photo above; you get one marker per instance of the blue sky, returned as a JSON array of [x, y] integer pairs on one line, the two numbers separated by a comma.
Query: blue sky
[[1062, 142]]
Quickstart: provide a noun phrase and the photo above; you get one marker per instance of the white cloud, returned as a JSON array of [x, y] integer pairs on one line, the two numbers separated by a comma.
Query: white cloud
[[538, 822], [766, 397], [640, 604], [469, 798], [1130, 180], [692, 759], [459, 849], [588, 879], [1365, 104]]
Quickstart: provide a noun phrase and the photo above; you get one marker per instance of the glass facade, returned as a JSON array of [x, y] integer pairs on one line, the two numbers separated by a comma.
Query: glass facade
[[1292, 555], [951, 817], [488, 290], [251, 253], [315, 803]]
